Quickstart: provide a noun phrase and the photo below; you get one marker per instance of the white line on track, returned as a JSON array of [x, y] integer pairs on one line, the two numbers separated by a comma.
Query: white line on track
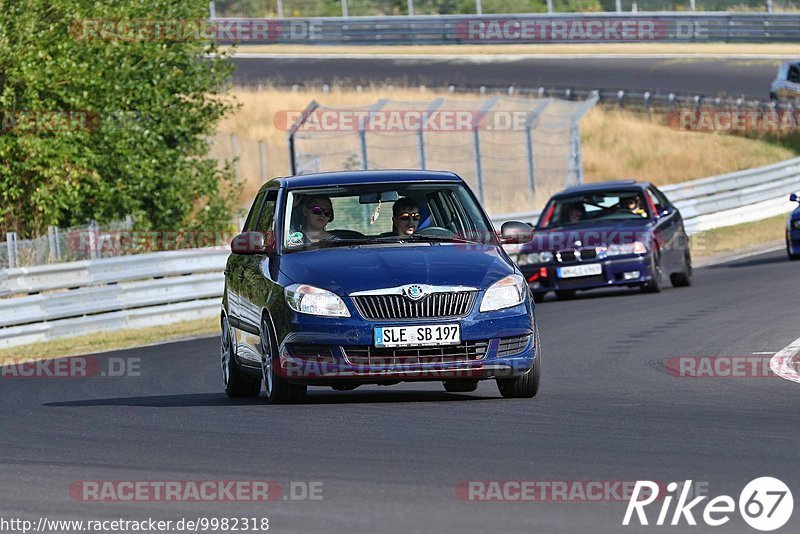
[[491, 58], [784, 363], [742, 256], [765, 353]]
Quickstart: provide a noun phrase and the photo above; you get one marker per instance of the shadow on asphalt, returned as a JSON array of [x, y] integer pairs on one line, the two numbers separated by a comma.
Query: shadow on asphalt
[[314, 397], [753, 262]]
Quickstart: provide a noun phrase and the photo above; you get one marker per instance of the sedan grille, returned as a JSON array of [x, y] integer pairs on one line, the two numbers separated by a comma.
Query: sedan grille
[[566, 256], [435, 305], [467, 351]]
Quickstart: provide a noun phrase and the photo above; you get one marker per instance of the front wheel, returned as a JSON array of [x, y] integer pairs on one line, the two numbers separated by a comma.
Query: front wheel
[[527, 385], [684, 278], [654, 285], [279, 391], [237, 384]]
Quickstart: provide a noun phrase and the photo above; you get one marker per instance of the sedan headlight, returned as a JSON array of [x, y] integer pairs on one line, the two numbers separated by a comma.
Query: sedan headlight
[[534, 257], [636, 247], [505, 293], [315, 301], [796, 224]]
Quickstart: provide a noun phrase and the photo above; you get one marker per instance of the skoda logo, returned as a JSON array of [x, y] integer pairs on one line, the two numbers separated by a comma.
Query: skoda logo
[[415, 292]]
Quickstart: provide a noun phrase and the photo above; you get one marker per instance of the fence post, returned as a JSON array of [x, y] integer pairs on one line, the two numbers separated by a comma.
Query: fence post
[[410, 8], [212, 10], [344, 8], [293, 130], [421, 133], [532, 116], [769, 6], [94, 245], [478, 7], [576, 158], [280, 9], [362, 132], [692, 6], [262, 156], [235, 156], [619, 6], [550, 6], [11, 243], [52, 240], [476, 143]]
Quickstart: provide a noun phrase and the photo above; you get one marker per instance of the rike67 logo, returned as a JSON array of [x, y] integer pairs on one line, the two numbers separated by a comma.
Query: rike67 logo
[[765, 504]]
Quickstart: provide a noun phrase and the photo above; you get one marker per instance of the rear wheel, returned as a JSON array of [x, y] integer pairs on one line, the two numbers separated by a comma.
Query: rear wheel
[[683, 279], [654, 285], [237, 383], [460, 386], [279, 391], [789, 252], [527, 385]]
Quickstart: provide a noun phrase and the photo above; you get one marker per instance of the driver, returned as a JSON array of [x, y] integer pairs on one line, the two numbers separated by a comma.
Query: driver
[[317, 213], [633, 205], [405, 217]]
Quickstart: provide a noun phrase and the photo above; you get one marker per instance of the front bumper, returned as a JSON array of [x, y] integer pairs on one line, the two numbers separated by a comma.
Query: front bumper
[[793, 241], [324, 351], [618, 271]]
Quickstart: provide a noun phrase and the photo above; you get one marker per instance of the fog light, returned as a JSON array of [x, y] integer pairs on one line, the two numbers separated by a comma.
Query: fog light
[[630, 275]]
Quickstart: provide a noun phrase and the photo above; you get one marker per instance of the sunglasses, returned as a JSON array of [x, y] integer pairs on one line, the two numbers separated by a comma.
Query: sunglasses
[[317, 210], [408, 216]]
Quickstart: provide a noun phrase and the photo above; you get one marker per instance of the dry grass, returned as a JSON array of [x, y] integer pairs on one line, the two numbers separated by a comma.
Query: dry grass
[[108, 341], [711, 49], [741, 238], [616, 143]]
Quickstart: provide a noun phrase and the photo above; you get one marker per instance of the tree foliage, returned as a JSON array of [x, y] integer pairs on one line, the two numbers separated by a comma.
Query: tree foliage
[[139, 112]]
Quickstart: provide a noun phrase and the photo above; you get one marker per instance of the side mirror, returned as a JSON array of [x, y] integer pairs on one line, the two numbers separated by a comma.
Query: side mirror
[[794, 198], [248, 243], [514, 232]]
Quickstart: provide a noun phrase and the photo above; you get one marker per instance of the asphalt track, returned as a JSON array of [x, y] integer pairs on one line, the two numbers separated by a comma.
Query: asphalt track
[[710, 77], [389, 459]]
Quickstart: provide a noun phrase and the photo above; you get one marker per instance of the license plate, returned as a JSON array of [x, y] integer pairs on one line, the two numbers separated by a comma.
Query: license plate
[[580, 270], [408, 336]]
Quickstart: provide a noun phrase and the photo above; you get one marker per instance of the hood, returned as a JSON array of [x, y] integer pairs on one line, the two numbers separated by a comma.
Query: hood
[[344, 270], [618, 233]]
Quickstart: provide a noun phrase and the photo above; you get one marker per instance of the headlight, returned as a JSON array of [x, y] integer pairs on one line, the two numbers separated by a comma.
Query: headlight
[[636, 247], [796, 224], [534, 257], [315, 301], [505, 293]]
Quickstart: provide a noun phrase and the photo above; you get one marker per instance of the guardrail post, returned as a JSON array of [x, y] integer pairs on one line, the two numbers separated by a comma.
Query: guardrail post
[[621, 98], [619, 6], [647, 102], [692, 6], [478, 7], [550, 6], [410, 8], [280, 9], [212, 10], [11, 243], [769, 6], [344, 8], [262, 156]]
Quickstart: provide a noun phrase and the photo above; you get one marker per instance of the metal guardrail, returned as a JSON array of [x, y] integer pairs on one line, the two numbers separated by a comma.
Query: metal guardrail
[[720, 201], [519, 28], [164, 287]]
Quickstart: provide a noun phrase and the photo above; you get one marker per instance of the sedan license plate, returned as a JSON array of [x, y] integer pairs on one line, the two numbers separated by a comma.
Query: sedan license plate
[[408, 336], [580, 270]]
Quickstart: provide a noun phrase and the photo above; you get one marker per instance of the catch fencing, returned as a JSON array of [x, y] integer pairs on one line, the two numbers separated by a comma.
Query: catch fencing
[[514, 152]]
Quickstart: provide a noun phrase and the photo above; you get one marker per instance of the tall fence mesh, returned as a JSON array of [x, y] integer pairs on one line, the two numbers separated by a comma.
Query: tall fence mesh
[[513, 152]]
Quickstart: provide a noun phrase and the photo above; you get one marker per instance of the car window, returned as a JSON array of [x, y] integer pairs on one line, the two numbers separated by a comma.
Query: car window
[[588, 207], [252, 217], [266, 219], [439, 213], [794, 74], [655, 200]]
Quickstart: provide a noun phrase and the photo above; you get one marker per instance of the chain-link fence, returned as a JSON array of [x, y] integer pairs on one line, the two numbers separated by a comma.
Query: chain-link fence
[[514, 152], [87, 242]]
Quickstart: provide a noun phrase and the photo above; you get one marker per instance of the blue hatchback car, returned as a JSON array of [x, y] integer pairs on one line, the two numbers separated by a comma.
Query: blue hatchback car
[[793, 231], [375, 277], [609, 234]]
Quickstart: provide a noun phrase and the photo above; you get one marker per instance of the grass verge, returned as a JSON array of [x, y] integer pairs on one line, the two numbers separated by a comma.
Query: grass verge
[[742, 238], [689, 49], [108, 341]]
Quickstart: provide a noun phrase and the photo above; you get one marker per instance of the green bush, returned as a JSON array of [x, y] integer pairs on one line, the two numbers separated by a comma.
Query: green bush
[[151, 105]]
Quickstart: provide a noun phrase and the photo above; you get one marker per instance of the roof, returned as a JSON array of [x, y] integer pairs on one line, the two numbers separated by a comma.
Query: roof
[[602, 186], [325, 179]]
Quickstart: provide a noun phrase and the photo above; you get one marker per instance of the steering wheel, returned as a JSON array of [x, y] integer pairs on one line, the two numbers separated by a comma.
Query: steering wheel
[[436, 231]]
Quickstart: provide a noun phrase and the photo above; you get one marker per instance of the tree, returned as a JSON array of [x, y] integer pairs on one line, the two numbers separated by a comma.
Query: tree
[[98, 123]]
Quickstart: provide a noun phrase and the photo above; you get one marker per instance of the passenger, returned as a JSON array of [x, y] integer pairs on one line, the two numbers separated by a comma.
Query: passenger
[[633, 205], [405, 216], [575, 213], [317, 213]]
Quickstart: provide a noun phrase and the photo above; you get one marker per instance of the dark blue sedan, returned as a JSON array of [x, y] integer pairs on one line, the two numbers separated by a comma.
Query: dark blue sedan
[[793, 231], [608, 234], [375, 277]]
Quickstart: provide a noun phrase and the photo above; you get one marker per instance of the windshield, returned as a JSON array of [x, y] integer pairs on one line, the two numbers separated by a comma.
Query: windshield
[[586, 208], [383, 213]]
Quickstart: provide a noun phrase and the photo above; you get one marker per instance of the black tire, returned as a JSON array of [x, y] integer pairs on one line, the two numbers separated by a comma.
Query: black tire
[[237, 383], [683, 279], [793, 257], [527, 385], [460, 386], [565, 294], [279, 391], [654, 285], [538, 297]]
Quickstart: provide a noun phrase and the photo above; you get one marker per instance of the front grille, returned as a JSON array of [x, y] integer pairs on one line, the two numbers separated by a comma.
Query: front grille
[[512, 345], [566, 256], [435, 305], [467, 351]]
